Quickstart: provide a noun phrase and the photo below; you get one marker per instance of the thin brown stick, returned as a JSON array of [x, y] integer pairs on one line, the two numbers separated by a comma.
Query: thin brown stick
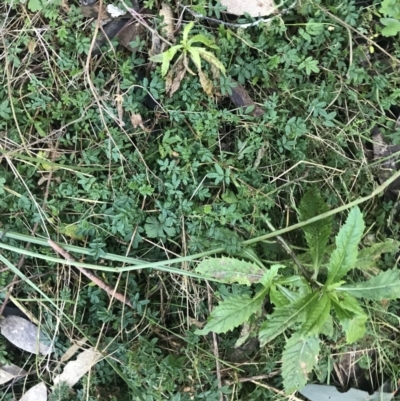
[[108, 289], [290, 397], [259, 377], [290, 252]]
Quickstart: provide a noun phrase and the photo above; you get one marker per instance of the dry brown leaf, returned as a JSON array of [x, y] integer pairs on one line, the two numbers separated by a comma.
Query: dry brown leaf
[[94, 10], [206, 83], [129, 33], [241, 98], [174, 77], [168, 14], [119, 99], [35, 393], [70, 352], [31, 46], [24, 334], [9, 372], [75, 370], [255, 8], [65, 6], [137, 121]]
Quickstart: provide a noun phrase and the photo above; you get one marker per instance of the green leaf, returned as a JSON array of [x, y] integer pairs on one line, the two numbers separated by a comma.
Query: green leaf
[[186, 31], [159, 228], [392, 26], [269, 275], [327, 327], [351, 316], [344, 257], [368, 257], [386, 285], [277, 298], [195, 56], [203, 39], [231, 270], [298, 359], [314, 28], [35, 5], [167, 58], [157, 58], [282, 318], [318, 233], [310, 65], [354, 328], [316, 315], [232, 312], [390, 8]]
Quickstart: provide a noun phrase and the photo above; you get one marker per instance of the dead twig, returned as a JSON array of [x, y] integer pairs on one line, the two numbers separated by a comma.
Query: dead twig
[[290, 252], [109, 290]]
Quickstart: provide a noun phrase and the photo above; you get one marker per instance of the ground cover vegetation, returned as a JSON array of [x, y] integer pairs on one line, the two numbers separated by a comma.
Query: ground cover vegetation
[[212, 248]]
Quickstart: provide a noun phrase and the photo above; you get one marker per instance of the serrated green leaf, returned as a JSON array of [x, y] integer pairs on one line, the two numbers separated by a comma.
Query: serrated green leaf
[[232, 312], [354, 328], [350, 303], [327, 327], [316, 315], [386, 285], [282, 318], [231, 270], [392, 26], [298, 359], [277, 298], [368, 257], [318, 233], [351, 316], [269, 275], [344, 257], [249, 254]]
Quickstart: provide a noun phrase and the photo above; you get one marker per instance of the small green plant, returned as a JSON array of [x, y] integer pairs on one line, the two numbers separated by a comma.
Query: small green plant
[[304, 304], [181, 65], [391, 11]]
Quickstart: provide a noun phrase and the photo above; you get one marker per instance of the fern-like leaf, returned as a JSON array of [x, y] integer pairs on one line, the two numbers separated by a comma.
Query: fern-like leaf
[[298, 359], [344, 257], [316, 234]]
